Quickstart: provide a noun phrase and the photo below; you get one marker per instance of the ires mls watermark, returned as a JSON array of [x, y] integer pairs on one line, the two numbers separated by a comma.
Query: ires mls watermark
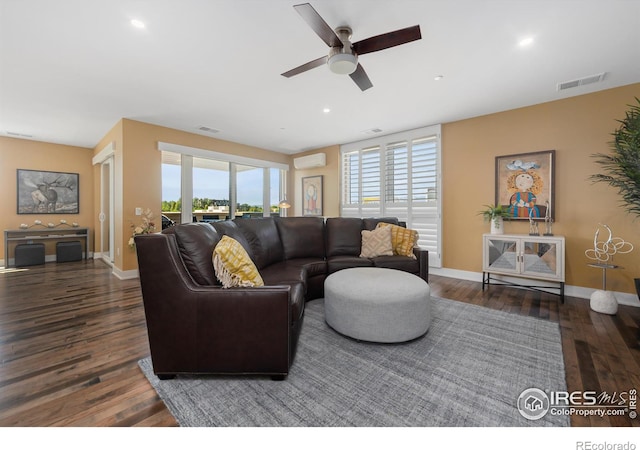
[[534, 403]]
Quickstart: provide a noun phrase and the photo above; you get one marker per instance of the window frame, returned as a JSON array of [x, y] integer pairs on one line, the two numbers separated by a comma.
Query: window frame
[[186, 162]]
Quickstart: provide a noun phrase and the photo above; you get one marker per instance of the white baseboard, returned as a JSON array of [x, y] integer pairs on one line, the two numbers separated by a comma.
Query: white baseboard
[[125, 274], [118, 273], [623, 298]]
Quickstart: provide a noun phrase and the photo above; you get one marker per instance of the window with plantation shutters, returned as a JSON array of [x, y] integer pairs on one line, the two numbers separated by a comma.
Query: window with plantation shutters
[[396, 163], [396, 175]]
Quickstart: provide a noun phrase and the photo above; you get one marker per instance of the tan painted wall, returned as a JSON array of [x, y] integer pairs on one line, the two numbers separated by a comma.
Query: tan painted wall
[[142, 175], [33, 155], [576, 128], [330, 181]]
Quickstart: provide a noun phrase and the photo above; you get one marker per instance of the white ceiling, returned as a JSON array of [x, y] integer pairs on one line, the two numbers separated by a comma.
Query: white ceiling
[[70, 69]]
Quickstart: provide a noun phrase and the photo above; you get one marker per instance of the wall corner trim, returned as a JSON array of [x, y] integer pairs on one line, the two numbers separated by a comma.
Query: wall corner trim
[[103, 154]]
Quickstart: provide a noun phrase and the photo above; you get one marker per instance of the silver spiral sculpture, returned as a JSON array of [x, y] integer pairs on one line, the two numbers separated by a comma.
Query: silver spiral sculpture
[[604, 251]]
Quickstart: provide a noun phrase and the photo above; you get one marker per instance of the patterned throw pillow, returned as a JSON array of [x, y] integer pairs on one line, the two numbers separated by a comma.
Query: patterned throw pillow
[[402, 239], [376, 243], [233, 266]]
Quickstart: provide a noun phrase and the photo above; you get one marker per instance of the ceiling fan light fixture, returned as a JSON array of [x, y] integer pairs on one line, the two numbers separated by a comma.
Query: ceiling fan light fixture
[[343, 63]]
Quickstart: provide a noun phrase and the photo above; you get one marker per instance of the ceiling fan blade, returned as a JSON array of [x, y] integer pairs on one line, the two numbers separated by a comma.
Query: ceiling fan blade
[[387, 40], [317, 23], [361, 78], [308, 66]]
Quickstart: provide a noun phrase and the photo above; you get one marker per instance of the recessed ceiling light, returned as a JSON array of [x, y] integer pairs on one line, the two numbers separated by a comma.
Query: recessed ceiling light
[[326, 110], [137, 23], [438, 77], [526, 42]]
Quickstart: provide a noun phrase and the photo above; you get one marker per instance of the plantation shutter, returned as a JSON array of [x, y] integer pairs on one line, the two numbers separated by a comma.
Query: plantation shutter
[[424, 208], [351, 184], [361, 183], [396, 174], [398, 178]]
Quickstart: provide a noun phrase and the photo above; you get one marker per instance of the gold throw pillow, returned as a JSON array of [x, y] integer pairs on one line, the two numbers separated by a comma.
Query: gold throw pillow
[[402, 239], [233, 266]]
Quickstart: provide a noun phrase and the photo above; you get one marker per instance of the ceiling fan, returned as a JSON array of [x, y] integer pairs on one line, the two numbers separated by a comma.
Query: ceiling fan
[[343, 55]]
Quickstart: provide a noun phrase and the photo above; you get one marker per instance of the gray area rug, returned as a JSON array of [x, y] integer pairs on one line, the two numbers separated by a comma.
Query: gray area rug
[[468, 370]]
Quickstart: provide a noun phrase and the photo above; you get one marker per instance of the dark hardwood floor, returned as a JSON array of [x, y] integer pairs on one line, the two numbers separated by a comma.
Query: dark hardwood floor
[[71, 335]]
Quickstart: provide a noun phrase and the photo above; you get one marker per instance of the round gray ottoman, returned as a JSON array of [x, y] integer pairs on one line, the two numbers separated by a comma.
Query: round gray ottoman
[[377, 305]]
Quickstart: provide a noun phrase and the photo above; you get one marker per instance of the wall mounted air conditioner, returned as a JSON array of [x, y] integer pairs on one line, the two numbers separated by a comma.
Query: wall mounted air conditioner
[[310, 161]]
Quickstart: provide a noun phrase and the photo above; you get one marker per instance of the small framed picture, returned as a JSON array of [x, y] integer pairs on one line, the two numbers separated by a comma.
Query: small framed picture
[[525, 185], [312, 196]]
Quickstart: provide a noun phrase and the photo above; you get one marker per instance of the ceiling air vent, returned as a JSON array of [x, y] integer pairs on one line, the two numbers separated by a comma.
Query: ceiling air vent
[[373, 131], [22, 135], [208, 129], [597, 78]]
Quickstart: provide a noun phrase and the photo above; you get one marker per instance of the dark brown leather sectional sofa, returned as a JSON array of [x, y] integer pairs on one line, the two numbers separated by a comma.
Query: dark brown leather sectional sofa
[[197, 326]]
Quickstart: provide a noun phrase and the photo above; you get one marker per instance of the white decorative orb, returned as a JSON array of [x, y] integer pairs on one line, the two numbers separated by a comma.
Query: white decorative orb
[[604, 302]]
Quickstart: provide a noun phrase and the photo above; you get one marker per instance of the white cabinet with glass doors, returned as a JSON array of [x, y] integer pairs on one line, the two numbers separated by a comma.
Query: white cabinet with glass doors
[[524, 256]]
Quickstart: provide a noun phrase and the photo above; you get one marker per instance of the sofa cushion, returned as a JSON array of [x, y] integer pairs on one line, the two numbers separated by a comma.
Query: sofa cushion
[[370, 223], [302, 237], [343, 236], [403, 239], [313, 266], [336, 263], [229, 228], [403, 263], [232, 265], [196, 242], [284, 273], [264, 240], [376, 243], [316, 270]]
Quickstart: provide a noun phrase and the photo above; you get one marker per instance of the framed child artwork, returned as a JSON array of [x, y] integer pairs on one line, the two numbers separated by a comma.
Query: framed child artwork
[[312, 196], [525, 185]]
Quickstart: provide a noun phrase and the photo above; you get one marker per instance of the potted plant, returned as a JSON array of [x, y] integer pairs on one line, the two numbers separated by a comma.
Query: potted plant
[[621, 167], [496, 215]]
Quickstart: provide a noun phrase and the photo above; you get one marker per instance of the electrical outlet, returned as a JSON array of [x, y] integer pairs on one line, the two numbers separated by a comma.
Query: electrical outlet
[[138, 211]]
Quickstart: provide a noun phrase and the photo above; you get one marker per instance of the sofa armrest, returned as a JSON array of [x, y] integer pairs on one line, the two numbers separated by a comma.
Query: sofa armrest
[[209, 329], [244, 330], [423, 259]]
